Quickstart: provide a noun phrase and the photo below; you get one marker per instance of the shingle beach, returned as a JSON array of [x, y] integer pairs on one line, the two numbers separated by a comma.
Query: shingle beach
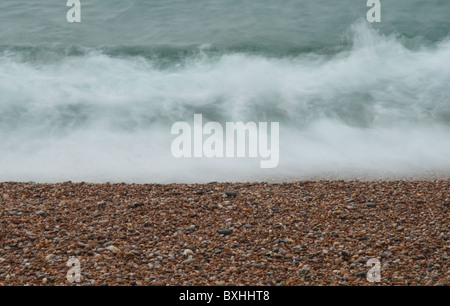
[[303, 233]]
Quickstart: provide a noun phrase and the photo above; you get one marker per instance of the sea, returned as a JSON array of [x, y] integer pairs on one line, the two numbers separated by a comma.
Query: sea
[[95, 100]]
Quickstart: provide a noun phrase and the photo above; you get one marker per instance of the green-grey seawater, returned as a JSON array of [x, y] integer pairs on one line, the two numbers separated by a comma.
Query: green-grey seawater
[[95, 100]]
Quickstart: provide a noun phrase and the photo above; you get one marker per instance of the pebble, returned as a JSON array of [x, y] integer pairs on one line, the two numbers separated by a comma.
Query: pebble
[[188, 252], [304, 270], [231, 193], [189, 261], [224, 231], [129, 255], [139, 204], [49, 257], [81, 245], [113, 249], [190, 229]]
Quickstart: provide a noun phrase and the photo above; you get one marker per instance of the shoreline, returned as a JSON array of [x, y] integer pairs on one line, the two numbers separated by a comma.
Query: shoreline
[[298, 233], [346, 176]]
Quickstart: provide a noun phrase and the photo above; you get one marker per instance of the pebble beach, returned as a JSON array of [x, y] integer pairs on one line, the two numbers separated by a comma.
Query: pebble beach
[[220, 234]]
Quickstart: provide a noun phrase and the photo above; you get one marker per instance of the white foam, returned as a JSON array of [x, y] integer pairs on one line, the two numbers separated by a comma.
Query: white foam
[[378, 108]]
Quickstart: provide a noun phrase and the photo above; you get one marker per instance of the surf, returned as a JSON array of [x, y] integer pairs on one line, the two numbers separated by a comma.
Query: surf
[[377, 108]]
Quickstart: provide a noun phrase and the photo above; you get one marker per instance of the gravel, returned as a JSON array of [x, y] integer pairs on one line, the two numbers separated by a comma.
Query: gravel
[[303, 233], [224, 231]]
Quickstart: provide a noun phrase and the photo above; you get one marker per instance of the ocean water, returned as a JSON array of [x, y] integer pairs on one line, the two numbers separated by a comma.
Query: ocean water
[[95, 101]]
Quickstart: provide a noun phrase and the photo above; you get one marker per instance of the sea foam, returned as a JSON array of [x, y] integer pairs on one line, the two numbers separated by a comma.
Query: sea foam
[[376, 108]]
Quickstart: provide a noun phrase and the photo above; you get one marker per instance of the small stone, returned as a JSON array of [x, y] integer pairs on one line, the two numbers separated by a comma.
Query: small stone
[[41, 213], [98, 257], [371, 204], [231, 193], [113, 249], [188, 252], [44, 281], [49, 257], [304, 270], [224, 231], [189, 261], [81, 244], [190, 229], [101, 203], [129, 255]]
